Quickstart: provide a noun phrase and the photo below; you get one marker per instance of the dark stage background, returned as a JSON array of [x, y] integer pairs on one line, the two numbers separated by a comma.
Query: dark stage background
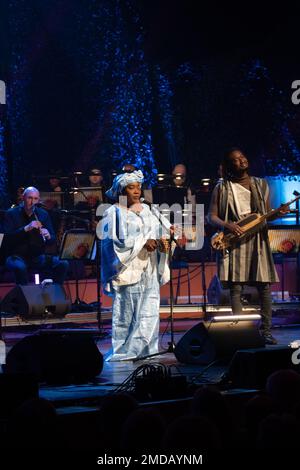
[[96, 82]]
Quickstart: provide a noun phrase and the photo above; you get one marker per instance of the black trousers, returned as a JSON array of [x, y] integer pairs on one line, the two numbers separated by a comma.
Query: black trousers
[[264, 292]]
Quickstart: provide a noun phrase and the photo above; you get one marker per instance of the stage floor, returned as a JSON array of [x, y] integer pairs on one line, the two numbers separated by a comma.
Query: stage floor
[[86, 398]]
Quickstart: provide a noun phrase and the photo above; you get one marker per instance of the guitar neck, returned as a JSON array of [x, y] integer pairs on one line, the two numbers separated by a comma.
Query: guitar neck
[[273, 212]]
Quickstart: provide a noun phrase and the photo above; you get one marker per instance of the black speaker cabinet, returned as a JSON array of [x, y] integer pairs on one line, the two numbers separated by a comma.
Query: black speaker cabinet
[[36, 301], [251, 368], [56, 357], [206, 342]]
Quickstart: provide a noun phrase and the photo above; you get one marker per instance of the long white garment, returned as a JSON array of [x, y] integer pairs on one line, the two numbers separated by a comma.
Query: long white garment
[[242, 197], [132, 275]]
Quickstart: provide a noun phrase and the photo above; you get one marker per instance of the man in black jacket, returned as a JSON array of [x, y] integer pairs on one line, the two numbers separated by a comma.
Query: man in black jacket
[[29, 229]]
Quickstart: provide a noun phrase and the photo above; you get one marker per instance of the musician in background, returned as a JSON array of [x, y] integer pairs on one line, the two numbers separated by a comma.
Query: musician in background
[[179, 175], [181, 180], [54, 182], [30, 230], [18, 197], [128, 168], [89, 199], [95, 177], [250, 261]]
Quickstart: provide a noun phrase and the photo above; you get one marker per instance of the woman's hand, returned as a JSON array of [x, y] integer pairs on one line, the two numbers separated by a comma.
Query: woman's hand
[[164, 245], [150, 245]]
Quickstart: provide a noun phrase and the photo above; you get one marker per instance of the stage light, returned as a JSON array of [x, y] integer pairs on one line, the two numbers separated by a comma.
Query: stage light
[[161, 177], [233, 318], [205, 181]]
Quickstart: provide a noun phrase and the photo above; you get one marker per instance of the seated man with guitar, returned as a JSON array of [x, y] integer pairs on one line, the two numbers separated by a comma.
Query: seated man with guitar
[[29, 230], [240, 207]]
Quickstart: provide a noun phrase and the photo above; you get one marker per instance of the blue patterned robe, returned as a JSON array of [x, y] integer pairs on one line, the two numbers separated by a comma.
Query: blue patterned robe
[[132, 276]]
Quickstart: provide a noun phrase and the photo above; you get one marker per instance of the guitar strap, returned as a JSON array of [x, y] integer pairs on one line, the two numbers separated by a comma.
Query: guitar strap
[[223, 200], [258, 200], [258, 197]]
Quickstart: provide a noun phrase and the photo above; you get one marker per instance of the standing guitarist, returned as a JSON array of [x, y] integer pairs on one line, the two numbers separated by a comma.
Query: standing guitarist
[[250, 260]]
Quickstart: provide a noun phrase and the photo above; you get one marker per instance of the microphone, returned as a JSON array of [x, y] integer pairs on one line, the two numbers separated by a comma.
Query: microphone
[[144, 201], [296, 193]]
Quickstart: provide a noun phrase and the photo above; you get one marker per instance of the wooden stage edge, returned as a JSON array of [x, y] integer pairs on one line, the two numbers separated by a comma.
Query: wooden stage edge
[[180, 313]]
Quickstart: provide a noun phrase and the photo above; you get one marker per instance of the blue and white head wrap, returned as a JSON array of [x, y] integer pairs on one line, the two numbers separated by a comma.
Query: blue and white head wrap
[[121, 181]]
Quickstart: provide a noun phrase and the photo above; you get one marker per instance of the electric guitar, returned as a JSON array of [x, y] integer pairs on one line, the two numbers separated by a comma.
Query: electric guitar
[[251, 224]]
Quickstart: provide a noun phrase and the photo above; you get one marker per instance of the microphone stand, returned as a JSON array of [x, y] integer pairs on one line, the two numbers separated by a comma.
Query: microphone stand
[[171, 343]]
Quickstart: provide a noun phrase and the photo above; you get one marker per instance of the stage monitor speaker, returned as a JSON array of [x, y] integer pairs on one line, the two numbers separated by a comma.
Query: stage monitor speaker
[[217, 295], [251, 368], [207, 342], [56, 357], [36, 301]]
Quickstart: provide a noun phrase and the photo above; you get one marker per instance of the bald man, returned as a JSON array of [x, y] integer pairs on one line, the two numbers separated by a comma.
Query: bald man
[[30, 230], [179, 174], [180, 179]]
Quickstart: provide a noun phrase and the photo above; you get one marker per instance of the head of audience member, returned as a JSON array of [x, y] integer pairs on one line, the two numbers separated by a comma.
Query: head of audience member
[[192, 433], [34, 425], [143, 429], [114, 411], [210, 403], [95, 177], [257, 409], [179, 174], [283, 386], [278, 431]]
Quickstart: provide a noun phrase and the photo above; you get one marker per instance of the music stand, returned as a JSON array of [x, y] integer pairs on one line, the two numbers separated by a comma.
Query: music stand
[[89, 196], [52, 199], [4, 245], [78, 244], [284, 242]]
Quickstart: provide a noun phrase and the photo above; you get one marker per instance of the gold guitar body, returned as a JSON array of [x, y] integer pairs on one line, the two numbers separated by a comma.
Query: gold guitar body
[[251, 224]]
